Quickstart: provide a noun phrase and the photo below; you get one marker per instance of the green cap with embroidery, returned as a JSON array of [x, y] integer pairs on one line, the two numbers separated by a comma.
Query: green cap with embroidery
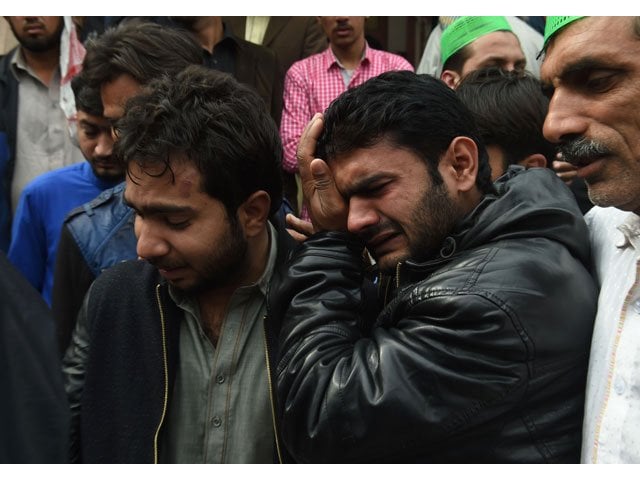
[[465, 30], [553, 25]]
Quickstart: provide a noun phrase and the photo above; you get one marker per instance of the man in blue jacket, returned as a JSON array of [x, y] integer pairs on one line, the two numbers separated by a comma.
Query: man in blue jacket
[[46, 201]]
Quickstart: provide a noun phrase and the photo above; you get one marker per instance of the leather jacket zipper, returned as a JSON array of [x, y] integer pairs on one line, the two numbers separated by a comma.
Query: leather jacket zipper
[[398, 275], [166, 374]]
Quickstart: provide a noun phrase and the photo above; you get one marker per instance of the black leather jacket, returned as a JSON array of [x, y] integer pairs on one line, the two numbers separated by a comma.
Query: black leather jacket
[[481, 356]]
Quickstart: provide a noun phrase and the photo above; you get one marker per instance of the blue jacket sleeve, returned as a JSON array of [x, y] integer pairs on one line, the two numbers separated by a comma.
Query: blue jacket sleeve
[[28, 250]]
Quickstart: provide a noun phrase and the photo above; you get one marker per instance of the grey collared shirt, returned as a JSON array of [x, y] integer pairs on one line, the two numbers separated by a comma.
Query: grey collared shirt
[[220, 410], [43, 142]]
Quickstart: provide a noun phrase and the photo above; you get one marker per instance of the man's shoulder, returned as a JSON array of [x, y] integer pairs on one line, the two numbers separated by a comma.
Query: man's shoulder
[[600, 215], [392, 61], [5, 61], [103, 202], [124, 292], [126, 277], [59, 178], [604, 221], [312, 63], [608, 227]]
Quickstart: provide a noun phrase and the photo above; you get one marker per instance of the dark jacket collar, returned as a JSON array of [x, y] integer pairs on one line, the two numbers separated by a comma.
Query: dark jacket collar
[[527, 203]]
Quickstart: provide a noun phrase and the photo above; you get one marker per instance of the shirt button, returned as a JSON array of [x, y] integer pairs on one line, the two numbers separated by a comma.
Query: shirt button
[[619, 386], [220, 379], [216, 421], [636, 306]]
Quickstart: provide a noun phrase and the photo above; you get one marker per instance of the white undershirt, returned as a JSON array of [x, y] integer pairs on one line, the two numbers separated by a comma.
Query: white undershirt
[[255, 29]]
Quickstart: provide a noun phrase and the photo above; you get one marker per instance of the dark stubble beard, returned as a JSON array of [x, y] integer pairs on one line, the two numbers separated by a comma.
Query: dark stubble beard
[[40, 44], [434, 218], [227, 264]]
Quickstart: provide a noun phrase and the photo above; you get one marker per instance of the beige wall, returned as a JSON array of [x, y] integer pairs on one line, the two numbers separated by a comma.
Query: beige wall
[[7, 40]]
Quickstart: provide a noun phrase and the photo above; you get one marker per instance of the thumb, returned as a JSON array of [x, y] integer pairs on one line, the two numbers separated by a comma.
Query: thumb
[[322, 178]]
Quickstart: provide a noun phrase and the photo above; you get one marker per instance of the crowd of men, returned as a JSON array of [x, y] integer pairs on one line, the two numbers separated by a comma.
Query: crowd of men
[[439, 296]]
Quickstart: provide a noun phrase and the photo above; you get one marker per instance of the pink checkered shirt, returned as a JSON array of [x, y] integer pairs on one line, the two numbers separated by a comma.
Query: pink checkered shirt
[[313, 83]]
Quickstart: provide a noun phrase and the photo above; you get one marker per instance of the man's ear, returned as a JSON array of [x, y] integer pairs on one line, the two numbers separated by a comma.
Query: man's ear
[[534, 160], [451, 78], [254, 212], [459, 165]]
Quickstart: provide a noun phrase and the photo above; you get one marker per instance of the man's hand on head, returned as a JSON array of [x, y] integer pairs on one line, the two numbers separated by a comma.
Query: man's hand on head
[[327, 208]]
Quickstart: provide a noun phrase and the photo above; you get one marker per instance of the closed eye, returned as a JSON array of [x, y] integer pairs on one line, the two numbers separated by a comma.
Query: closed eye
[[373, 190], [177, 224], [600, 81]]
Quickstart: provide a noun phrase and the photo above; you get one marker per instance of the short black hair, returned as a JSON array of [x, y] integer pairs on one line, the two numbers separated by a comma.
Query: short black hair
[[142, 49], [87, 97], [217, 123], [509, 108], [416, 112]]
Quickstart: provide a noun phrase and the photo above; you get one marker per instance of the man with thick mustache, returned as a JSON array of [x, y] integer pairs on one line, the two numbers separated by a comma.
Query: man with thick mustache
[[481, 354], [591, 70], [30, 113]]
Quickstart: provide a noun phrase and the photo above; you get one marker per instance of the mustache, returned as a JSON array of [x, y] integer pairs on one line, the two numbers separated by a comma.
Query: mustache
[[342, 25], [32, 21], [162, 266], [372, 232], [107, 159], [583, 150]]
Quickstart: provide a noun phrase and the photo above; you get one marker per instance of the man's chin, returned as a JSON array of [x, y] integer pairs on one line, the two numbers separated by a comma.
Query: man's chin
[[388, 263], [185, 287], [108, 175]]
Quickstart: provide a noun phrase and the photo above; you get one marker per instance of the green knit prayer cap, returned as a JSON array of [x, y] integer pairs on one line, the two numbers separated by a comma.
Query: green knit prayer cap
[[467, 29], [553, 25]]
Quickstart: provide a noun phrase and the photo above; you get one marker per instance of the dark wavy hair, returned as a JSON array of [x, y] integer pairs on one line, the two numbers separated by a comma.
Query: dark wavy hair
[[509, 108], [141, 49], [86, 96], [217, 123], [415, 112]]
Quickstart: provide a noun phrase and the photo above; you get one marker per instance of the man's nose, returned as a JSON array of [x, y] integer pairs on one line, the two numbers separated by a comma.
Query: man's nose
[[361, 215], [564, 118], [104, 147], [150, 244]]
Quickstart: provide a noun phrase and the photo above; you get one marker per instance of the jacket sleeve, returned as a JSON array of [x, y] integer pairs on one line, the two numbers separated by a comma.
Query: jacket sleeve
[[71, 281], [34, 415], [74, 368], [412, 382], [28, 249]]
